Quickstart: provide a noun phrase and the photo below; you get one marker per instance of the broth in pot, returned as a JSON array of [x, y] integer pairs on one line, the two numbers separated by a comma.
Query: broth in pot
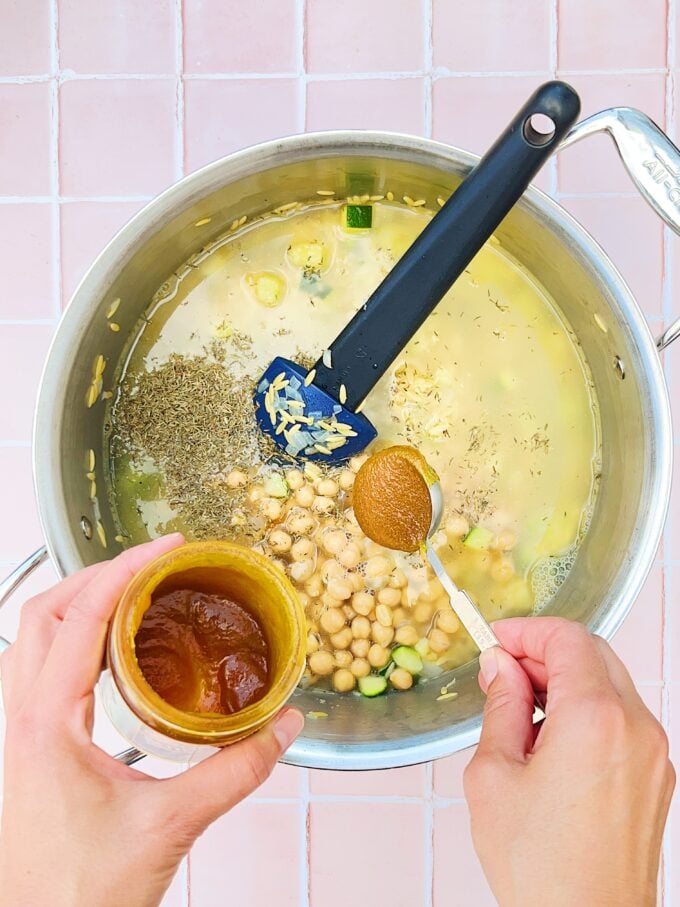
[[493, 390]]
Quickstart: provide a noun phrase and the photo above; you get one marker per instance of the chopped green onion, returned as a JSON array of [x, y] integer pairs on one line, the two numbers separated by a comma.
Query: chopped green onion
[[358, 217], [406, 657], [478, 538], [372, 685]]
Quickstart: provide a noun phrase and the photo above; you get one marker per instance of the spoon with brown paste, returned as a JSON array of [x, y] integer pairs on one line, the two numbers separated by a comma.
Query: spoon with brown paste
[[398, 503]]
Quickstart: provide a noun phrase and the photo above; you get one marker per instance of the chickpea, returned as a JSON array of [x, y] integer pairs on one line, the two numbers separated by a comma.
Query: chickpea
[[321, 663], [303, 549], [301, 523], [383, 615], [349, 612], [271, 509], [406, 635], [398, 580], [375, 583], [340, 589], [342, 639], [457, 526], [312, 472], [256, 493], [363, 603], [360, 648], [350, 556], [401, 679], [330, 601], [328, 488], [314, 611], [334, 541], [300, 571], [236, 479], [438, 539], [378, 565], [312, 644], [383, 636], [314, 586], [279, 541], [399, 616], [304, 599], [332, 620], [405, 600], [506, 540], [356, 581], [356, 463], [388, 596], [295, 479], [361, 627], [346, 479], [432, 591], [422, 613], [331, 569], [438, 640], [322, 504], [343, 658], [343, 680], [360, 667], [378, 656], [447, 620], [502, 570], [304, 496]]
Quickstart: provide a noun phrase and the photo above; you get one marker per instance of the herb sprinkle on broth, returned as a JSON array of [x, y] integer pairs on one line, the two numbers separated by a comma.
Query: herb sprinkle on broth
[[493, 390]]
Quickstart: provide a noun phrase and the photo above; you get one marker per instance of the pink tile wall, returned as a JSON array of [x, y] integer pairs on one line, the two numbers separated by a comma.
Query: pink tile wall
[[104, 104]]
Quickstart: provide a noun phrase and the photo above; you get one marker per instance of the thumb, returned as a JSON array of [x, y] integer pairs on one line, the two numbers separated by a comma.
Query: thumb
[[212, 787], [507, 726]]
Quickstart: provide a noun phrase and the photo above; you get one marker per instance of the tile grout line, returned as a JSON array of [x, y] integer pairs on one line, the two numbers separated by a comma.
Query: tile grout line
[[179, 76], [553, 15], [185, 867], [666, 856], [55, 179], [438, 72], [69, 199], [428, 874], [306, 848], [428, 55], [301, 75]]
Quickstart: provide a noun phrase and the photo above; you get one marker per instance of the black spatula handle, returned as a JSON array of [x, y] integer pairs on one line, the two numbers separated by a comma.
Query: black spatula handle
[[409, 293]]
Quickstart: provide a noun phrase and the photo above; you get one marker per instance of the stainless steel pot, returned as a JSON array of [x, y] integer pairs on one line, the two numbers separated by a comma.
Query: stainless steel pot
[[637, 440]]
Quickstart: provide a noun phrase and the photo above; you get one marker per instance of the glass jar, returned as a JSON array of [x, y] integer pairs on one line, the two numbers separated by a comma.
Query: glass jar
[[146, 720]]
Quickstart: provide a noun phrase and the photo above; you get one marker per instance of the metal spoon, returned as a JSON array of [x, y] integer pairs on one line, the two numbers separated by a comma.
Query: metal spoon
[[467, 611]]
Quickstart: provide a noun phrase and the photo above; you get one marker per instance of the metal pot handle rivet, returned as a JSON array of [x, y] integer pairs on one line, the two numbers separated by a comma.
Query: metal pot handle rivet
[[652, 162]]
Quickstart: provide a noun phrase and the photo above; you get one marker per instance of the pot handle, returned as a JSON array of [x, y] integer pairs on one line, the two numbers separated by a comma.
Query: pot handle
[[8, 586], [652, 162]]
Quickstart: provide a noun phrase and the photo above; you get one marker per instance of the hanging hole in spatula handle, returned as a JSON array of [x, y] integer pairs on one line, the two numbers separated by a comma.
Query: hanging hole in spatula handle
[[376, 335]]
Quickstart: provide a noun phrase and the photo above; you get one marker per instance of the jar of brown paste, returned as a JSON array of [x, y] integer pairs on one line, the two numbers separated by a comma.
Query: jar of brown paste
[[205, 646]]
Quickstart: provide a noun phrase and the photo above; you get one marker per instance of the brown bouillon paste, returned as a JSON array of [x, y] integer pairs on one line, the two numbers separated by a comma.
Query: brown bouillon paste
[[202, 652]]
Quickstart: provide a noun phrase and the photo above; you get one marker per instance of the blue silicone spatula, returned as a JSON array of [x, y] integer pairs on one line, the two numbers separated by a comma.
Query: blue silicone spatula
[[312, 414]]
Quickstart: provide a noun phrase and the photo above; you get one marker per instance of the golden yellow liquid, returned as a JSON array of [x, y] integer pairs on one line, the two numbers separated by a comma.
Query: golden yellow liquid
[[493, 390]]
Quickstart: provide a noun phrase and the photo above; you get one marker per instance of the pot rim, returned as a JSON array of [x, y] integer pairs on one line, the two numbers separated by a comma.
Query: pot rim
[[318, 754]]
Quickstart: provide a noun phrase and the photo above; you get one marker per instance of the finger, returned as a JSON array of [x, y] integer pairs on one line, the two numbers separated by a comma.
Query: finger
[[507, 728], [213, 787], [75, 658], [574, 667], [39, 622], [618, 673]]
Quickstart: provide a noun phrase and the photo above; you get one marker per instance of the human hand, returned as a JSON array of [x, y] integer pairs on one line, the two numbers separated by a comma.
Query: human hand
[[572, 813], [79, 827]]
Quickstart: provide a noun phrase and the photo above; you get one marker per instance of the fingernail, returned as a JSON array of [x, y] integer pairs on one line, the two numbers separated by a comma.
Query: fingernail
[[488, 665], [287, 726]]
